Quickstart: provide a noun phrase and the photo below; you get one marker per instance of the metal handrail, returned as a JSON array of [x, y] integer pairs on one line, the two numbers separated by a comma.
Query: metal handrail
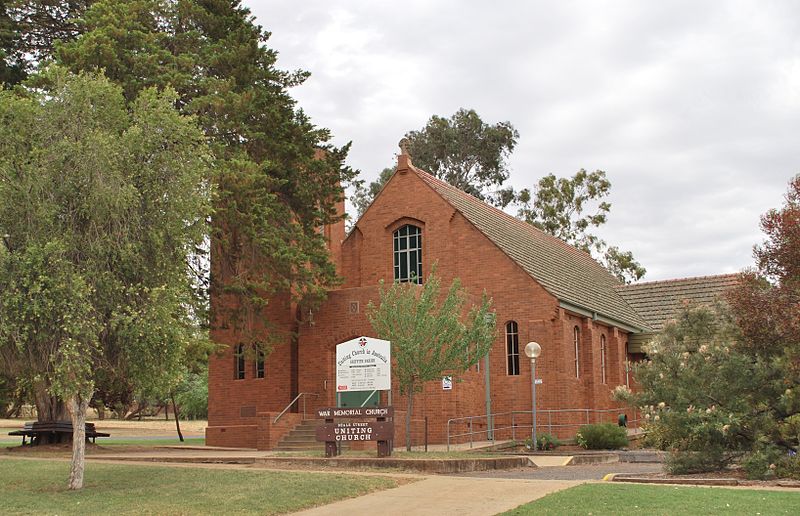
[[302, 394], [491, 432]]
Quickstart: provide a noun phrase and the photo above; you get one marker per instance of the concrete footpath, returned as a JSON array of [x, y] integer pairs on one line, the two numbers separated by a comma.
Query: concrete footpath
[[447, 495]]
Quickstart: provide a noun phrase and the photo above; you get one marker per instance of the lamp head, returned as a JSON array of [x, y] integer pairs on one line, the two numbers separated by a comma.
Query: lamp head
[[533, 350]]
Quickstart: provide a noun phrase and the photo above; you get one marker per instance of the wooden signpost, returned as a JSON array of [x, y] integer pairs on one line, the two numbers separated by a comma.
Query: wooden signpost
[[363, 424]]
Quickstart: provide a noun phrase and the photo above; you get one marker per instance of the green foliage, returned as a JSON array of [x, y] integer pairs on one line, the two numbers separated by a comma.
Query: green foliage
[[29, 31], [681, 462], [192, 395], [277, 177], [462, 150], [466, 152], [568, 208], [12, 65], [427, 334], [602, 436], [100, 201], [762, 463], [707, 400], [788, 466], [544, 442]]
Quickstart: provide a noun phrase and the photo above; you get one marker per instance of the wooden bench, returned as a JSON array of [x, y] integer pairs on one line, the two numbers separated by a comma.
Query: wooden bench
[[58, 431]]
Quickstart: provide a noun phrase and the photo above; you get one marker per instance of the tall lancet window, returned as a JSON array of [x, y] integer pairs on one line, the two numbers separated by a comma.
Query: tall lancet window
[[408, 254]]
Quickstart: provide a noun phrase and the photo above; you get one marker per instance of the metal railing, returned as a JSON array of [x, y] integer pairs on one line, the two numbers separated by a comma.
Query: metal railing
[[301, 395], [493, 428]]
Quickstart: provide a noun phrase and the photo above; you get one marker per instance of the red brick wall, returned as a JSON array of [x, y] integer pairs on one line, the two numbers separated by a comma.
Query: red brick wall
[[460, 251]]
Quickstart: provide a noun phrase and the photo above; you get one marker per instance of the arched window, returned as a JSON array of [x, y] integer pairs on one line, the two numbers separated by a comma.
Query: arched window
[[512, 347], [408, 254], [603, 358], [238, 362], [259, 363], [576, 338]]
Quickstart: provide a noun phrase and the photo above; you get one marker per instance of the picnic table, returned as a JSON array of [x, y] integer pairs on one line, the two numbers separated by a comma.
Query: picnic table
[[55, 431]]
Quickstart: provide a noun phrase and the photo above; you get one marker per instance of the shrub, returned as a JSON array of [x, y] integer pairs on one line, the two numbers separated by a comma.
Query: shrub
[[544, 442], [788, 466], [682, 462], [602, 436], [762, 463]]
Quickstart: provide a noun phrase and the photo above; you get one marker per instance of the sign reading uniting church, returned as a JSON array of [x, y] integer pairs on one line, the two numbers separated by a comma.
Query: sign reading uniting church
[[363, 364]]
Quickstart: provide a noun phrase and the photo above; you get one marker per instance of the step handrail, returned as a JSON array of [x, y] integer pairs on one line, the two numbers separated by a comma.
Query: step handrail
[[301, 395]]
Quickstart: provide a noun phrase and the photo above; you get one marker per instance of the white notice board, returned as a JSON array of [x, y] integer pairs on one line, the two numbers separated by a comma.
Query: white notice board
[[363, 364]]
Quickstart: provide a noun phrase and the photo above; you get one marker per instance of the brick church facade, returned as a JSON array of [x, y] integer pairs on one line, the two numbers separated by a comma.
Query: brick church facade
[[588, 325]]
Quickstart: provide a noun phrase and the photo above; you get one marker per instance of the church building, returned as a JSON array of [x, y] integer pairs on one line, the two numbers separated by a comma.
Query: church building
[[589, 325]]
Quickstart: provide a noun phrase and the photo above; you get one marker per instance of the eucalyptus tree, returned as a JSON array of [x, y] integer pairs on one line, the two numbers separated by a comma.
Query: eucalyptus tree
[[462, 150], [101, 200], [569, 208]]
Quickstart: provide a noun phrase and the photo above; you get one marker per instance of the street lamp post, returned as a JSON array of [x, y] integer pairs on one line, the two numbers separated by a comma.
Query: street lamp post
[[532, 351]]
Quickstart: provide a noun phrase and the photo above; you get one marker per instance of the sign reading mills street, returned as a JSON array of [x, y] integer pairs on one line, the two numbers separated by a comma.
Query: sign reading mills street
[[363, 364]]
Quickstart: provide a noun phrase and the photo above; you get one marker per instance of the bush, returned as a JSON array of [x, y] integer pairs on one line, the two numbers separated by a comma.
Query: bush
[[788, 467], [544, 442], [681, 462], [761, 464], [602, 436]]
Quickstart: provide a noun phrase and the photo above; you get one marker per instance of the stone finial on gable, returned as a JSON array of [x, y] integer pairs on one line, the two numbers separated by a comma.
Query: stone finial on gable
[[404, 158]]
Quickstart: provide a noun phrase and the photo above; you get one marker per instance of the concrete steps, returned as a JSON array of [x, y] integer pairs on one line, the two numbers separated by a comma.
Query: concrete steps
[[302, 438]]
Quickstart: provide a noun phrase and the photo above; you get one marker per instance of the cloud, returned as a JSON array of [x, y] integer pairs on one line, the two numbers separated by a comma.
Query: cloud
[[691, 107]]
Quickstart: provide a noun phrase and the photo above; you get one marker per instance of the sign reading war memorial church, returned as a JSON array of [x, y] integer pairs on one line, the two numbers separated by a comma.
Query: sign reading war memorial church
[[363, 364]]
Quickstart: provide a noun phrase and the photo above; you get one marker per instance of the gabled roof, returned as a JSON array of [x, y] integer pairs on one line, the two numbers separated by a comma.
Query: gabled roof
[[660, 301], [570, 275]]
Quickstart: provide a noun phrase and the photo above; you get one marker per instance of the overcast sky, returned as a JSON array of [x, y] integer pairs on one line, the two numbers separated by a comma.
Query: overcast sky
[[692, 108]]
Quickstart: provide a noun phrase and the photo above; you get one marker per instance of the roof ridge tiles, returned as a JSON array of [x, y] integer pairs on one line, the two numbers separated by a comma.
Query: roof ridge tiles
[[678, 280]]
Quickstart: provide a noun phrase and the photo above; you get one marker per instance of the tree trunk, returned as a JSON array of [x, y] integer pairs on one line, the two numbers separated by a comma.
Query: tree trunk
[[408, 417], [177, 423], [48, 407], [77, 410]]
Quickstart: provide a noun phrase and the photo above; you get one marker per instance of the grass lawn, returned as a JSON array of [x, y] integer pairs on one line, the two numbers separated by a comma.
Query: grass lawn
[[187, 441], [39, 487], [627, 499]]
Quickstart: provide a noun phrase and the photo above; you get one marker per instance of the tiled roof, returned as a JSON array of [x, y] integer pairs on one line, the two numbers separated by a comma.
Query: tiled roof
[[570, 275], [659, 301]]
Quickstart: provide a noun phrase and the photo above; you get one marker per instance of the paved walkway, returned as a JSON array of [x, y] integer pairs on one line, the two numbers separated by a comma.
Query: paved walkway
[[578, 472], [447, 495]]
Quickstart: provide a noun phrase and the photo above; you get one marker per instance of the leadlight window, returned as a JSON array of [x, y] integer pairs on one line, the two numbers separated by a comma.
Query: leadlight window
[[259, 364], [512, 347], [603, 358], [238, 362], [408, 254], [576, 337]]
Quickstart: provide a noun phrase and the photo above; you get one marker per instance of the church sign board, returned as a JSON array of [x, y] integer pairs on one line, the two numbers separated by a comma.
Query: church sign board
[[332, 412], [363, 364], [356, 431]]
